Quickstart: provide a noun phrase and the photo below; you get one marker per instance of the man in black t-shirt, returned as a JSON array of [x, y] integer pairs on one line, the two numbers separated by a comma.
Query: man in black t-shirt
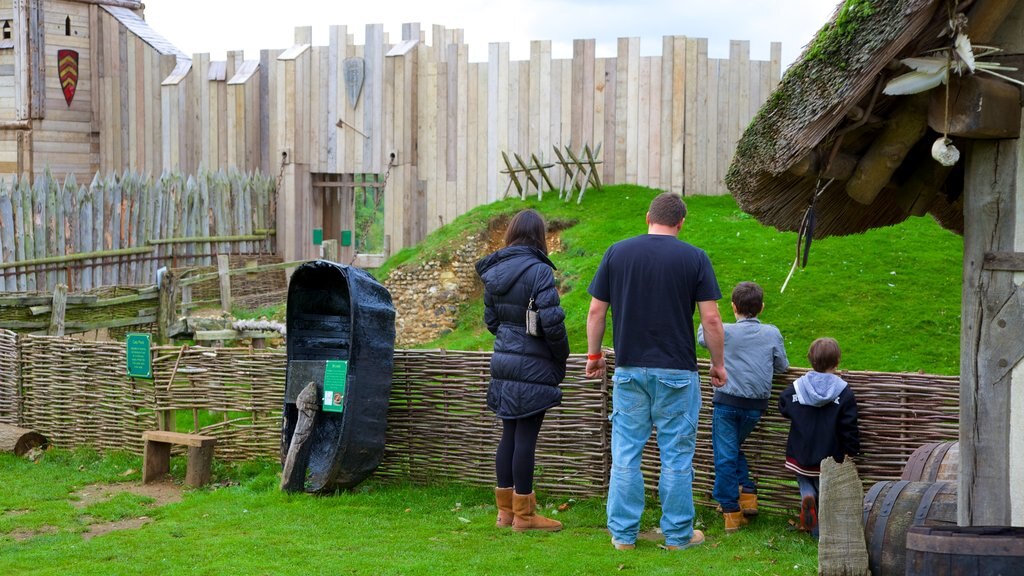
[[653, 283]]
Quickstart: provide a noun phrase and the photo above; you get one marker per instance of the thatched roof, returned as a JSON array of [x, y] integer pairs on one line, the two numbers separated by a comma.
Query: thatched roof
[[828, 111]]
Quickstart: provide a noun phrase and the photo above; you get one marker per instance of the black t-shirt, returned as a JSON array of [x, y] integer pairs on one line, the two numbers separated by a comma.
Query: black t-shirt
[[653, 283]]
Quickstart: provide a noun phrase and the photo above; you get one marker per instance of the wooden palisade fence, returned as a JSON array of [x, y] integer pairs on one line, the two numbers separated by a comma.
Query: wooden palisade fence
[[438, 425], [120, 230], [667, 121]]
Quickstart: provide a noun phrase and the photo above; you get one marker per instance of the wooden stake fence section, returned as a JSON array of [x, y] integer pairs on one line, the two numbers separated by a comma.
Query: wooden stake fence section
[[119, 230], [76, 393]]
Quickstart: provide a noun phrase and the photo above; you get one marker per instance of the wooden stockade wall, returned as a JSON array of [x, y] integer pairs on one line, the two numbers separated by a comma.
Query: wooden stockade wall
[[667, 121], [130, 224], [76, 394]]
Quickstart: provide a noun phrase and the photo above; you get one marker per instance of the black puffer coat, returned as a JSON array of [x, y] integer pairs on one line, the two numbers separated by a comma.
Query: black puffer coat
[[525, 370]]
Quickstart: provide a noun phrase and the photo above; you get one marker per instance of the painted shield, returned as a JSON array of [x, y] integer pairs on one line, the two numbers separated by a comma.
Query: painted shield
[[354, 71], [68, 69]]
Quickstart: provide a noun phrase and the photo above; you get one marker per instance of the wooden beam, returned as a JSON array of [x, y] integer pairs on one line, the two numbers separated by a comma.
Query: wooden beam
[[76, 257], [15, 125], [1011, 261], [919, 191], [841, 168], [985, 18], [874, 170], [978, 108], [989, 393], [129, 4]]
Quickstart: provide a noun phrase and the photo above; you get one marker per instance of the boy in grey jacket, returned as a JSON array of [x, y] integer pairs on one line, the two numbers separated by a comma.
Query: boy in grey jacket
[[753, 353]]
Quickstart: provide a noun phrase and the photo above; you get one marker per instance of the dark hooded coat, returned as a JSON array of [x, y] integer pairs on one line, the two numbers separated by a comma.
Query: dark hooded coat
[[525, 370]]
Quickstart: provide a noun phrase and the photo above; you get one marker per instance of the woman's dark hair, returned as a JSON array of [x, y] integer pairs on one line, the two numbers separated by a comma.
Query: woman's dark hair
[[824, 354], [527, 228], [667, 209]]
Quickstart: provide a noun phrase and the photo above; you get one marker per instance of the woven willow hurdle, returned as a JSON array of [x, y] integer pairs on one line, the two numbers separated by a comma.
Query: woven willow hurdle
[[9, 377], [76, 393]]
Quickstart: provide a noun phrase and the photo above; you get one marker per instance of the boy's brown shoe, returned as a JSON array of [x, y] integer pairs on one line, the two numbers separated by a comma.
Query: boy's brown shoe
[[734, 521], [748, 504]]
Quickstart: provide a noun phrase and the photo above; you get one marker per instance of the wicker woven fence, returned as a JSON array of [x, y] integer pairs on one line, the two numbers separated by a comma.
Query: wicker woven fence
[[76, 394]]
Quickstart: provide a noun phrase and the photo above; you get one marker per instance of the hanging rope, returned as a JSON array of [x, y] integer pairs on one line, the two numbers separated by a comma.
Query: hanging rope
[[805, 233]]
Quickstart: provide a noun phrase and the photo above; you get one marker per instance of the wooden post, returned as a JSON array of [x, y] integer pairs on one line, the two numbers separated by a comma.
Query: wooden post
[[223, 267], [991, 341], [329, 250], [167, 313], [57, 310]]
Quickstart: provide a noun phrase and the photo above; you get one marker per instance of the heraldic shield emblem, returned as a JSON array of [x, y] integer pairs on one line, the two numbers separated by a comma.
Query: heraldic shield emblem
[[68, 69]]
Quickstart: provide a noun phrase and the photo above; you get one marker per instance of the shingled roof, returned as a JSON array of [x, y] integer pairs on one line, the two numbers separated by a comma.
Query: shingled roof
[[826, 113]]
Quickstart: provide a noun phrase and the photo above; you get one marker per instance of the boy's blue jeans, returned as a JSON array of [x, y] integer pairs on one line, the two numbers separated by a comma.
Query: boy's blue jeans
[[730, 427], [669, 400]]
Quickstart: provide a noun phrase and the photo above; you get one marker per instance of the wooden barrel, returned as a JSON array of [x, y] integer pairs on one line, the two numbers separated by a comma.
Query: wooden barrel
[[934, 462], [968, 550], [891, 508]]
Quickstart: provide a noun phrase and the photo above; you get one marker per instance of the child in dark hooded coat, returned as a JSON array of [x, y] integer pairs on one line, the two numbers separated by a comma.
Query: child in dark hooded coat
[[823, 422]]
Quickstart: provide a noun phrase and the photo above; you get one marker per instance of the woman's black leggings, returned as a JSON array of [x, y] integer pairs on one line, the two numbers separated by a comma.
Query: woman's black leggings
[[515, 457]]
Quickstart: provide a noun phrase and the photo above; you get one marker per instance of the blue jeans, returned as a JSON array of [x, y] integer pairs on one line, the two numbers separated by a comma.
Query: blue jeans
[[809, 487], [730, 427], [669, 400]]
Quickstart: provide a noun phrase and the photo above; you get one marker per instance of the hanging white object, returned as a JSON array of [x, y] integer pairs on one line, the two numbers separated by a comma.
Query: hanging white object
[[915, 82], [963, 49], [944, 152]]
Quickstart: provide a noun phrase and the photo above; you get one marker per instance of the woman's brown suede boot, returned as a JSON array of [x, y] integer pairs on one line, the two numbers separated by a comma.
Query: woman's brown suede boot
[[503, 496], [524, 507]]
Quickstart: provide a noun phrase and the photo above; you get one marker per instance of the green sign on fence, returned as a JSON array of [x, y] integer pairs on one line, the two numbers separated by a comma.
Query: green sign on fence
[[335, 375], [318, 236], [139, 359]]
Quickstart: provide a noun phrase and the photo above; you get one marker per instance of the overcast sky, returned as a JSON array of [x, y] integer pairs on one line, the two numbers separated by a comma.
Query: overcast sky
[[215, 26]]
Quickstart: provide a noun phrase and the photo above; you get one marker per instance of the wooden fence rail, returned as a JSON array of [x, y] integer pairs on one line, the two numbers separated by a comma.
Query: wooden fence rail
[[438, 426], [254, 281], [120, 230]]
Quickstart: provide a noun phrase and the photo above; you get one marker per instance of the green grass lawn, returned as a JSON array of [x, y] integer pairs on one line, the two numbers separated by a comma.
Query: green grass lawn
[[891, 296], [244, 525]]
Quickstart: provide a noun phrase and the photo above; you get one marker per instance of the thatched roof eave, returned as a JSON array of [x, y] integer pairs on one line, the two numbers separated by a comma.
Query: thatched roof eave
[[836, 79]]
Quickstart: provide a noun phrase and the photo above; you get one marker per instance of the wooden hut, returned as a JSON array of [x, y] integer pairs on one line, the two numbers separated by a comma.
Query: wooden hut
[[830, 136], [60, 66]]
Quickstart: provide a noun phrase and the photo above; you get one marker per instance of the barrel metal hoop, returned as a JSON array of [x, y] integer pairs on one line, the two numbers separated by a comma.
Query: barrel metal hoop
[[940, 455], [915, 466], [882, 522], [869, 500], [926, 503]]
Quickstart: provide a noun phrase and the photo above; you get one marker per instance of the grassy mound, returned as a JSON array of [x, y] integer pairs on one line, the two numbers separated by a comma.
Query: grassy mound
[[891, 296]]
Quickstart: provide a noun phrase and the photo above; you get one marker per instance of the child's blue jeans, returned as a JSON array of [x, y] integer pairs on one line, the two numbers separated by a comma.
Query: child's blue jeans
[[730, 426]]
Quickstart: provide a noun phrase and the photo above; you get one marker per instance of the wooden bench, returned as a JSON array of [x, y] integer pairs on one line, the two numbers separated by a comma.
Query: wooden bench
[[156, 461]]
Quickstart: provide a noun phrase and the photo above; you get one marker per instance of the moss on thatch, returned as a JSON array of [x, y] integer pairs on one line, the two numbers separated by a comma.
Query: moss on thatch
[[837, 69]]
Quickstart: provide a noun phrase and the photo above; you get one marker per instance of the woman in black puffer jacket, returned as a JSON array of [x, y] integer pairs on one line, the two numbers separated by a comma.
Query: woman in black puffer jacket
[[525, 370]]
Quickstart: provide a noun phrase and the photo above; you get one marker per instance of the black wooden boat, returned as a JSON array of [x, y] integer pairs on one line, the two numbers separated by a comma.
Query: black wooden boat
[[335, 313]]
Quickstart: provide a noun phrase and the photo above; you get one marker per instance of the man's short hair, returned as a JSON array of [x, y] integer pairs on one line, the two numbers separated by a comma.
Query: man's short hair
[[824, 354], [667, 209], [748, 298]]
